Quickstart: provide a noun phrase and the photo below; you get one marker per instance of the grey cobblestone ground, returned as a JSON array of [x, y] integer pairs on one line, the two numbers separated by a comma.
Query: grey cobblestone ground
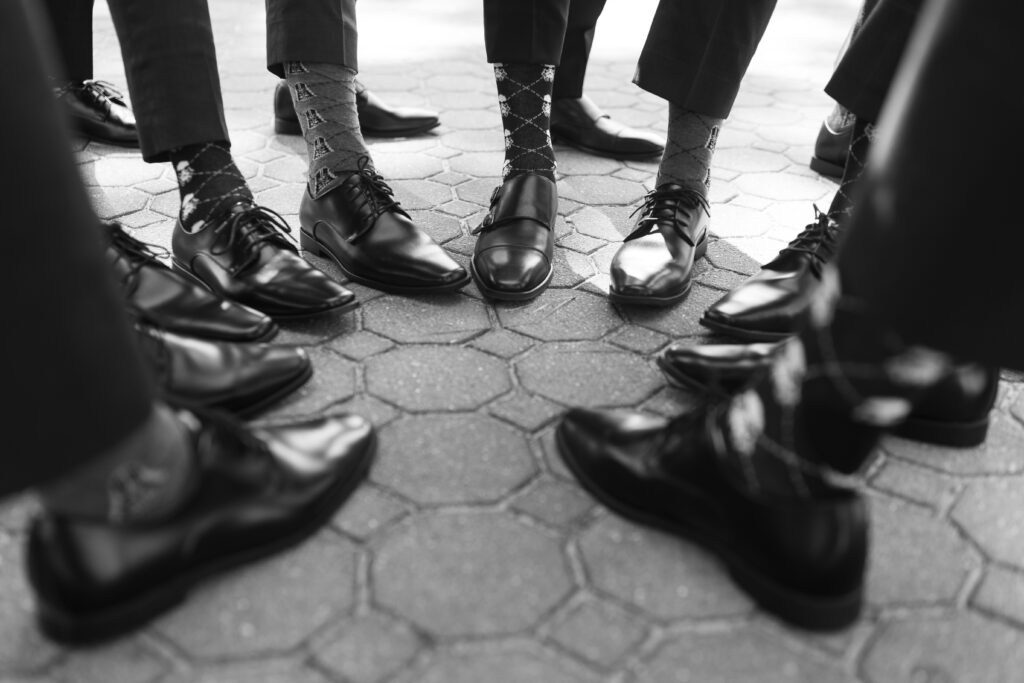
[[471, 556]]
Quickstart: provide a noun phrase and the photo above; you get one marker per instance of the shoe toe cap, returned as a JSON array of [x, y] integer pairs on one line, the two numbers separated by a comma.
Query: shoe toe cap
[[511, 269]]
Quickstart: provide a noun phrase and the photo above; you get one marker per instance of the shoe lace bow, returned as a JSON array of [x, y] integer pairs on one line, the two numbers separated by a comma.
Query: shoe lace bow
[[248, 230], [374, 198], [817, 239], [661, 200]]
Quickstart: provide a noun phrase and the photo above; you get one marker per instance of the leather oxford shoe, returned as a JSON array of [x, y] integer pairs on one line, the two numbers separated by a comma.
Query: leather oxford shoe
[[801, 558], [376, 118], [160, 297], [657, 269], [512, 258], [947, 415], [243, 255], [99, 112], [255, 494], [238, 378], [831, 147], [578, 122], [773, 304], [361, 227]]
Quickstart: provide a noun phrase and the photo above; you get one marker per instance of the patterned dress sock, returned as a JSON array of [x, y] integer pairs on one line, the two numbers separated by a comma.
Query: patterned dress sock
[[688, 150], [325, 100], [856, 158], [143, 478], [524, 98], [208, 181]]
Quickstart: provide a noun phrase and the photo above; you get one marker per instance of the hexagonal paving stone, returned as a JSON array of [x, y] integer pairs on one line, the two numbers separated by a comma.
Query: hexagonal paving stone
[[438, 319], [1000, 454], [452, 458], [554, 502], [733, 220], [124, 661], [682, 320], [562, 316], [592, 189], [405, 165], [588, 375], [436, 378], [782, 186], [367, 648], [119, 171], [334, 380], [599, 631], [368, 511], [595, 223], [964, 647], [22, 647], [1001, 593], [524, 663], [111, 202], [992, 513], [526, 411], [747, 160], [260, 671], [421, 194], [476, 573], [440, 228], [662, 575], [269, 606]]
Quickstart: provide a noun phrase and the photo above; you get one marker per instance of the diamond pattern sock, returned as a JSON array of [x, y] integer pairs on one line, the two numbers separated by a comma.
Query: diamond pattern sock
[[688, 150], [524, 98], [325, 100], [208, 182], [860, 145]]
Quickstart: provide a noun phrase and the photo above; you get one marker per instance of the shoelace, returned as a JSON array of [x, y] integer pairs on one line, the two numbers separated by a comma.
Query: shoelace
[[817, 239], [136, 253], [248, 230], [377, 198], [657, 200]]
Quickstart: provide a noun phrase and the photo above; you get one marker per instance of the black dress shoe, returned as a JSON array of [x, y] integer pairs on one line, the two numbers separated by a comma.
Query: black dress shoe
[[99, 112], [657, 269], [831, 147], [160, 297], [947, 415], [774, 304], [376, 119], [238, 378], [255, 495], [801, 558], [361, 227], [577, 121], [512, 258], [243, 255]]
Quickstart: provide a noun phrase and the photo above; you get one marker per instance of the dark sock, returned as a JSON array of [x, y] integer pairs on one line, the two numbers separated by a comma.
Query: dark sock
[[856, 158], [208, 181], [688, 149], [524, 98]]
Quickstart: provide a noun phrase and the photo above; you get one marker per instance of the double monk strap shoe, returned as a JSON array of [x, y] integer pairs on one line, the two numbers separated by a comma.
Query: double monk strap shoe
[[99, 112], [654, 266], [253, 494], [157, 296], [376, 118], [362, 228], [512, 258], [774, 304], [242, 379], [578, 122], [800, 557], [244, 255]]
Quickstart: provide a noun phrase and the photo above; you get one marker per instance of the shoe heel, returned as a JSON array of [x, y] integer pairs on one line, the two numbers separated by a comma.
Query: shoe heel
[[309, 243], [939, 433], [287, 126]]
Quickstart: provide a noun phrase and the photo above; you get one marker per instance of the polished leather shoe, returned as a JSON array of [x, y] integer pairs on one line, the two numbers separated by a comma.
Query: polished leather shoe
[[801, 558], [376, 118], [578, 122], [244, 255], [160, 297], [947, 415], [774, 304], [657, 269], [512, 258], [242, 379], [255, 494], [831, 147], [362, 228], [99, 112]]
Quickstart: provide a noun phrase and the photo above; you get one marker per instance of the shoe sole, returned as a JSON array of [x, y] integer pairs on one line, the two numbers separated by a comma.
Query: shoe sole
[[799, 609], [744, 334], [596, 151], [293, 127], [636, 300], [503, 295], [826, 168], [240, 406], [312, 245], [82, 629], [679, 380]]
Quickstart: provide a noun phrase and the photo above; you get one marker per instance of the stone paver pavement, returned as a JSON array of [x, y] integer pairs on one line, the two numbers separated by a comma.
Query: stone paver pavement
[[471, 556]]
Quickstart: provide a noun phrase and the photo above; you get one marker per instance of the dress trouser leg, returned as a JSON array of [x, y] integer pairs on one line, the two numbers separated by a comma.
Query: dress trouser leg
[[71, 25], [525, 31], [171, 64], [315, 31], [935, 244], [579, 37], [72, 373]]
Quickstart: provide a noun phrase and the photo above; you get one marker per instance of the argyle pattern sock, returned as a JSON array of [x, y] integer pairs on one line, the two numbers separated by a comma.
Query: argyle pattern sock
[[856, 158], [688, 150], [208, 182], [325, 101], [524, 98]]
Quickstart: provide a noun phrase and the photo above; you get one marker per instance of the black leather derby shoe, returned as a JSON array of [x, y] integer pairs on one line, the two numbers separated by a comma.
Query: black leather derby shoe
[[578, 122], [512, 258], [99, 112], [954, 413], [238, 378], [160, 297], [801, 558], [244, 255], [773, 304], [657, 269], [361, 227], [831, 147], [254, 495], [376, 118]]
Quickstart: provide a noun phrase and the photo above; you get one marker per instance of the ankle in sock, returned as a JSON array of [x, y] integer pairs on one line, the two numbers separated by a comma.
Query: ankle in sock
[[688, 150], [856, 158], [524, 98], [208, 181]]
